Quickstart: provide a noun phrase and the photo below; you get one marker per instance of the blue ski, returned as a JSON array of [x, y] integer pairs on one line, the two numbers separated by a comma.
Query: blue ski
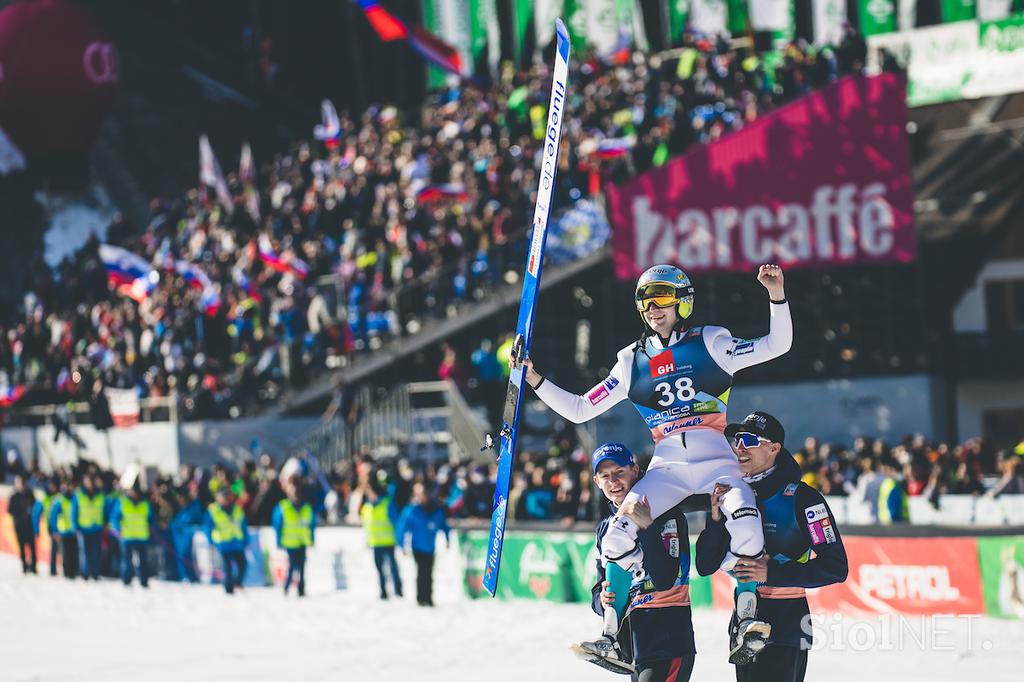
[[524, 327]]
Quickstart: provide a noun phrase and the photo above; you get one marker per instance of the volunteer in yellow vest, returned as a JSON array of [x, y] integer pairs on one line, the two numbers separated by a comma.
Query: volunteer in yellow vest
[[378, 516], [228, 531], [51, 529], [63, 531], [132, 519], [294, 522], [87, 517]]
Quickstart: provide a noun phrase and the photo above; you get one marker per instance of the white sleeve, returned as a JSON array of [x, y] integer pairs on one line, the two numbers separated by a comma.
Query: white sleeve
[[581, 408], [733, 354]]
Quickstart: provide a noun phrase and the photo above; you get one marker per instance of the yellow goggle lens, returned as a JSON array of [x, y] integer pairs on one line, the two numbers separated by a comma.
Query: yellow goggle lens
[[659, 301]]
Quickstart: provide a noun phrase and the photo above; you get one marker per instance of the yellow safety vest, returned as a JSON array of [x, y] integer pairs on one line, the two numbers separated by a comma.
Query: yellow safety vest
[[134, 519], [379, 530], [64, 516], [226, 528], [296, 525], [90, 510]]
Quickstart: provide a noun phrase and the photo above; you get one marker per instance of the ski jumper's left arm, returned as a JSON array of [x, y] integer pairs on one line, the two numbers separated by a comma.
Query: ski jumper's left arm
[[733, 354]]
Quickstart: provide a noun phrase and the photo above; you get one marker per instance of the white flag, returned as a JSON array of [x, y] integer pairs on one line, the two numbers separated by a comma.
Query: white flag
[[993, 10], [709, 16], [329, 127], [602, 26], [769, 15], [906, 14], [829, 16], [544, 14], [211, 175], [247, 176]]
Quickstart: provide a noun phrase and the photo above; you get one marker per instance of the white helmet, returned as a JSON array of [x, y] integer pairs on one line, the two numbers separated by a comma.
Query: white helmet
[[665, 285]]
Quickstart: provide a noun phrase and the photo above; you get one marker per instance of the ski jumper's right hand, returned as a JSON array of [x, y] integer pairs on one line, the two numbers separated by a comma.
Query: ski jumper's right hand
[[532, 377], [716, 500], [607, 596]]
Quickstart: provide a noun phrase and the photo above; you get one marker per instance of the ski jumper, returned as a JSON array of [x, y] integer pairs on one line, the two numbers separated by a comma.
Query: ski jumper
[[682, 391]]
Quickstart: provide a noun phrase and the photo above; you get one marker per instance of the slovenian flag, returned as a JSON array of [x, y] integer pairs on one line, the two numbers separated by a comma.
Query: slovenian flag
[[10, 395], [209, 297], [435, 50], [614, 147], [131, 274], [247, 285], [387, 25], [63, 382], [279, 262], [390, 27], [448, 192]]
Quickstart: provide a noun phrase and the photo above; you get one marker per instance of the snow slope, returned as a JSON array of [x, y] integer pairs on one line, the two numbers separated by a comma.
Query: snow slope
[[55, 629]]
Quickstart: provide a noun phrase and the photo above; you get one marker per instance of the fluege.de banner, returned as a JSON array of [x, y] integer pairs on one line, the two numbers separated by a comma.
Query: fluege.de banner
[[822, 181]]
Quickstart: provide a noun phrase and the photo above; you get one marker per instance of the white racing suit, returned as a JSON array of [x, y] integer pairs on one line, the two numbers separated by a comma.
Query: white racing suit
[[682, 392]]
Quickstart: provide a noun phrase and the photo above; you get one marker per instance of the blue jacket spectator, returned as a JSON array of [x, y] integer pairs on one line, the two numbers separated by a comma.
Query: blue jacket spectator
[[422, 521]]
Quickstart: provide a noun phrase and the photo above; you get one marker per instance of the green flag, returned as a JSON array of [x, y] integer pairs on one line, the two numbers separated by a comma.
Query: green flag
[[739, 16], [876, 16], [678, 15], [958, 10], [522, 24]]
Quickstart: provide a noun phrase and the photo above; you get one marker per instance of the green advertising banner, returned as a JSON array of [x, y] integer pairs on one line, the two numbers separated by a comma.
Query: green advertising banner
[[876, 16], [1005, 35], [559, 567], [1002, 575]]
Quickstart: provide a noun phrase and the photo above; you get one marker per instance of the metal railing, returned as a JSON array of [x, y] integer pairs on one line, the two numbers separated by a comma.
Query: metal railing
[[163, 409], [422, 420]]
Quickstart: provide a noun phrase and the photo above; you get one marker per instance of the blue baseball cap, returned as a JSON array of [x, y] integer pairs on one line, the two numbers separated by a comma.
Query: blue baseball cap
[[616, 452]]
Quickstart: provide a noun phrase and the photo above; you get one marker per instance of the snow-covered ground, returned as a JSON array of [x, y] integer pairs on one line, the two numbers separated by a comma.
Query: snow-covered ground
[[55, 629]]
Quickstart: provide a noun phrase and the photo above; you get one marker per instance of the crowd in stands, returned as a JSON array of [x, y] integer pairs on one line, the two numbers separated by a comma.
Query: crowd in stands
[[335, 248]]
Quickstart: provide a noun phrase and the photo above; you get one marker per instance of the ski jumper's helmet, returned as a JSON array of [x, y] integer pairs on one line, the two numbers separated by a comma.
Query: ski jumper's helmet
[[664, 286]]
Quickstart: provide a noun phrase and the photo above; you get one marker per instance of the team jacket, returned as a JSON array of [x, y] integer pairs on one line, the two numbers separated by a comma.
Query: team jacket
[[681, 387], [660, 620], [803, 543]]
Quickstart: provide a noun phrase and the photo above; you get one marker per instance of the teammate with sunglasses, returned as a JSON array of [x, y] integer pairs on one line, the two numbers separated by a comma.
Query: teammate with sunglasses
[[804, 548], [679, 380]]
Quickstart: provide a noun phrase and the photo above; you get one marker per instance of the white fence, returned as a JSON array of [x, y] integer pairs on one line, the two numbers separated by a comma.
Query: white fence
[[952, 510]]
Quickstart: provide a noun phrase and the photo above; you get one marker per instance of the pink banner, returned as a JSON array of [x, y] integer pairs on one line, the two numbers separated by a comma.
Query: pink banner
[[821, 181]]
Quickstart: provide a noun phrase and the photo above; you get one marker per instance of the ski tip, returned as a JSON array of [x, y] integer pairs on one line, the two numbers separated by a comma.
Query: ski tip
[[561, 30]]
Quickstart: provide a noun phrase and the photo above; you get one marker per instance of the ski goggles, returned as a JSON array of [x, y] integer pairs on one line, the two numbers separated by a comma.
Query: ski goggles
[[661, 295], [748, 440]]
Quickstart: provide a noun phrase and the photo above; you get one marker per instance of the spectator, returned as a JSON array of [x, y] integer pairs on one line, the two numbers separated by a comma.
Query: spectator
[[378, 516], [25, 512], [420, 521], [133, 521], [227, 530]]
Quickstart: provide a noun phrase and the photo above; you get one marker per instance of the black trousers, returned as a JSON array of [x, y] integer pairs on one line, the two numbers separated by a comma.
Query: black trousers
[[297, 566], [54, 552], [775, 663], [234, 569], [27, 547], [69, 553], [667, 670], [424, 578]]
